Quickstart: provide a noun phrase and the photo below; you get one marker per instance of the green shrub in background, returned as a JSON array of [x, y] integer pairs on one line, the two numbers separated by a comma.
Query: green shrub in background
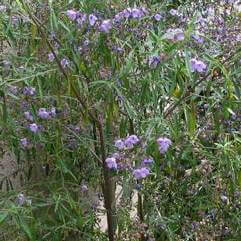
[[143, 95]]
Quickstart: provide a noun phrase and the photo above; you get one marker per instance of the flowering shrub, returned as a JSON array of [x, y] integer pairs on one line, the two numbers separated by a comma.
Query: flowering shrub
[[140, 95]]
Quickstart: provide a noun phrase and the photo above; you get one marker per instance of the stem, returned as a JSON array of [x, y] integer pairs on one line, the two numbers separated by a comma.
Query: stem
[[108, 187], [140, 208]]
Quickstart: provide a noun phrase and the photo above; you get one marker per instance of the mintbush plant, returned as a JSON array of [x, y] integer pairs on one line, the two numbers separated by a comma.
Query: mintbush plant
[[141, 95]]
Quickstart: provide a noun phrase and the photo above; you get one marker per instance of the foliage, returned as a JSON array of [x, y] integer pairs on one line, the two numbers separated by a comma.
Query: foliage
[[143, 95]]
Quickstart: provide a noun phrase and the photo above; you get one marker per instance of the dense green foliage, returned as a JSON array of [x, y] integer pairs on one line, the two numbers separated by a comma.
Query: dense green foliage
[[79, 79]]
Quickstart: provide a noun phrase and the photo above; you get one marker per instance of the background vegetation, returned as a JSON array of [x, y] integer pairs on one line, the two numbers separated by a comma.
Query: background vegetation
[[144, 95]]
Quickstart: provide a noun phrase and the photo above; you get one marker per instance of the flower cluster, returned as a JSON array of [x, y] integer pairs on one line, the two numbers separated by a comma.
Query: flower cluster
[[148, 161], [73, 15], [107, 24], [128, 13], [111, 163], [64, 63], [29, 91], [81, 18], [44, 114], [153, 61], [24, 142], [141, 173], [127, 143], [143, 170], [164, 143], [197, 65], [34, 127], [28, 116], [157, 17], [173, 12], [174, 35], [51, 57]]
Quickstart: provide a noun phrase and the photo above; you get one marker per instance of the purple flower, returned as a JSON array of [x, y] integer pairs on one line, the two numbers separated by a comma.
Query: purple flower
[[157, 17], [28, 116], [174, 34], [120, 144], [198, 38], [127, 12], [92, 19], [117, 49], [144, 10], [84, 188], [130, 141], [53, 112], [134, 139], [141, 173], [118, 17], [148, 161], [179, 36], [33, 127], [154, 61], [24, 142], [43, 113], [117, 156], [122, 166], [238, 37], [21, 199], [51, 57], [197, 65], [64, 63], [136, 13], [111, 163], [201, 21], [81, 19], [173, 12], [106, 26], [164, 144], [72, 14], [29, 91]]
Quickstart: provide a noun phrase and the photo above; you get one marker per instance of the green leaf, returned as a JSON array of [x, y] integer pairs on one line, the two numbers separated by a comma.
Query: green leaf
[[64, 26], [190, 116], [40, 88], [239, 178], [187, 62], [65, 168], [123, 127], [4, 108], [54, 22], [237, 91], [27, 229], [3, 216]]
